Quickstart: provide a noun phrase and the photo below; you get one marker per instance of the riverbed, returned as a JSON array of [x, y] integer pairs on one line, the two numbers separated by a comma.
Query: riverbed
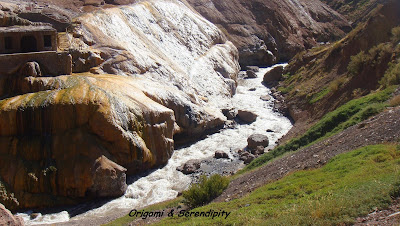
[[165, 183]]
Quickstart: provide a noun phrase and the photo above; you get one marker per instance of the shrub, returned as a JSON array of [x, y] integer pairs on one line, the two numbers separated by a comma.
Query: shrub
[[396, 34], [357, 62], [395, 101], [207, 189], [392, 75]]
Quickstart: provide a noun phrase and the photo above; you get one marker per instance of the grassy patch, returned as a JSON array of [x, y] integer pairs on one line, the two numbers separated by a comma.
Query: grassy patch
[[349, 114], [318, 96], [350, 185], [156, 207], [206, 190]]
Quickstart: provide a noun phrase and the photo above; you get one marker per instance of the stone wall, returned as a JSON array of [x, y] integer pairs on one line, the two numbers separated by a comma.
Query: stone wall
[[51, 62]]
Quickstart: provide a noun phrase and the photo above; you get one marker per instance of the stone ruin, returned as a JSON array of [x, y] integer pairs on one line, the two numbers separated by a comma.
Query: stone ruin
[[20, 45], [24, 39]]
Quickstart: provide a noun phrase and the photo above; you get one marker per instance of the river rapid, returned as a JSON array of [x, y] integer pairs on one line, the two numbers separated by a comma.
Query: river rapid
[[165, 183]]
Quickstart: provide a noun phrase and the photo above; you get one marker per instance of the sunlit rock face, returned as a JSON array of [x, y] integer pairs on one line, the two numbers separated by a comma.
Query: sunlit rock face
[[172, 71], [167, 42]]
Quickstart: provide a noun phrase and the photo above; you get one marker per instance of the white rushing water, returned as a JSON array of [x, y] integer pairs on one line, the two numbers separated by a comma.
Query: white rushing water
[[165, 183]]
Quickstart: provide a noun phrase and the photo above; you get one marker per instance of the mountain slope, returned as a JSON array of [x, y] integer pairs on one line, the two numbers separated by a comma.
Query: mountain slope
[[265, 31]]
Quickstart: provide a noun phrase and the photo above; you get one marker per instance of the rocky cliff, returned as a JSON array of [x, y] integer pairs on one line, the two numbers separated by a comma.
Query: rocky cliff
[[67, 138], [265, 31]]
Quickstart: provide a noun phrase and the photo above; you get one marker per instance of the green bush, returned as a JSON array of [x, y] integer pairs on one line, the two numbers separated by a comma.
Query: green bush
[[396, 34], [205, 191], [392, 75], [357, 63]]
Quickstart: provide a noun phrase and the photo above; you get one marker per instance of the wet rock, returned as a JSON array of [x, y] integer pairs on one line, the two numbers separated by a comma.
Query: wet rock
[[7, 218], [221, 155], [251, 74], [33, 216], [246, 157], [252, 68], [229, 113], [259, 150], [252, 89], [109, 178], [257, 140], [273, 75], [270, 131], [247, 116], [265, 97], [189, 167], [30, 69]]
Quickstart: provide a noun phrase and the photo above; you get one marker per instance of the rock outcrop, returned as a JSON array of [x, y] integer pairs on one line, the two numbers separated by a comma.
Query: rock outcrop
[[267, 30], [64, 139], [6, 218], [51, 138]]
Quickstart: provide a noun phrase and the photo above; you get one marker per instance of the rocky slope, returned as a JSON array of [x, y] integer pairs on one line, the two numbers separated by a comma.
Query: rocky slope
[[64, 139], [354, 11], [265, 31], [321, 79]]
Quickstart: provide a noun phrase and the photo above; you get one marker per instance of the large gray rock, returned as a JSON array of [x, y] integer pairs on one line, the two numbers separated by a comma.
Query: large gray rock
[[221, 155], [257, 140], [247, 116], [189, 167], [274, 75], [251, 74]]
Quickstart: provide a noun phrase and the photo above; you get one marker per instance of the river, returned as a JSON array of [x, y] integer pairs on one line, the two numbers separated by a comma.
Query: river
[[165, 183]]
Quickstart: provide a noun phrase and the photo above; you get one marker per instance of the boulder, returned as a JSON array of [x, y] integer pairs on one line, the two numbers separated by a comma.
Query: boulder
[[189, 167], [251, 74], [7, 218], [246, 157], [265, 97], [247, 116], [252, 68], [257, 140], [229, 113], [274, 75], [30, 69], [109, 178], [221, 155]]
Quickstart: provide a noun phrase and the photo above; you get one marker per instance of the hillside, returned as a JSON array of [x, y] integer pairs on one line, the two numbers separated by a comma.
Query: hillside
[[322, 79], [266, 31]]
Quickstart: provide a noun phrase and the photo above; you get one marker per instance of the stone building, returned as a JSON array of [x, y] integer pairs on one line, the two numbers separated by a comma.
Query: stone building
[[23, 39]]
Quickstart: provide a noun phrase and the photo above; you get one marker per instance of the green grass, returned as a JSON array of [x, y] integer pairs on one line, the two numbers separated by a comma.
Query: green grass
[[318, 96], [349, 114], [159, 206], [350, 185]]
